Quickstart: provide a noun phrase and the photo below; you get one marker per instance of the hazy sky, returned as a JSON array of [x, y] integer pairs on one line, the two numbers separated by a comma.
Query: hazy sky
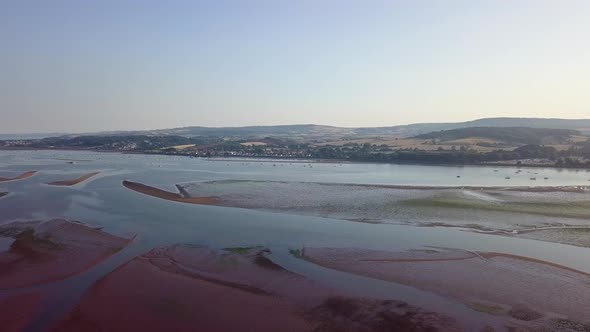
[[101, 65]]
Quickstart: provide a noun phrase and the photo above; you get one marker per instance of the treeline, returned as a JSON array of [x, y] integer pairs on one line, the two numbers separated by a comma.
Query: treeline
[[118, 142], [577, 156], [511, 135]]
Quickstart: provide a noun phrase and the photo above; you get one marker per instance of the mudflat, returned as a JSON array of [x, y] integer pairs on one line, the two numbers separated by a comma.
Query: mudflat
[[186, 288], [52, 250], [17, 310], [490, 282]]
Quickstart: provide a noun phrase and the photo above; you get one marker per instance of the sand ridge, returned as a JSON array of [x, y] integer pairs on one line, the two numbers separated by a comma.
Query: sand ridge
[[22, 176], [167, 195], [73, 181]]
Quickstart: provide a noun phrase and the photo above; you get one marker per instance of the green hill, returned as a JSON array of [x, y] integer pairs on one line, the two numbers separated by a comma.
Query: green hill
[[509, 135]]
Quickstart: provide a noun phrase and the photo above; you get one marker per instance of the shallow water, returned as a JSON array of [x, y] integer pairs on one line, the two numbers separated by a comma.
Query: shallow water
[[5, 243], [103, 201]]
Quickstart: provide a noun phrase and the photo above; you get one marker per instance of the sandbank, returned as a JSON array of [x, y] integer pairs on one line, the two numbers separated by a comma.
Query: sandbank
[[487, 210], [167, 195], [23, 176], [73, 181]]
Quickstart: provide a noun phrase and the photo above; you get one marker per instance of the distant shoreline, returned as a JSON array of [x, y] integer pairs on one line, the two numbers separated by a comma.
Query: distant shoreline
[[305, 160]]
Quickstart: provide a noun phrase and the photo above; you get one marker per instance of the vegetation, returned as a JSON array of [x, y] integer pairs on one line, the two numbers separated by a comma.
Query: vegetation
[[27, 240], [240, 250], [118, 142], [510, 145], [514, 135], [317, 131], [488, 308], [297, 253]]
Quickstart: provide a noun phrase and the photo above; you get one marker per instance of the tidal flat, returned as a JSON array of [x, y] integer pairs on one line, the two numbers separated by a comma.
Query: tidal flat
[[506, 210], [357, 247]]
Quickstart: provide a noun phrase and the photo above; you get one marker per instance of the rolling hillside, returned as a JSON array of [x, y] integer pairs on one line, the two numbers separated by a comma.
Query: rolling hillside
[[507, 135], [311, 131]]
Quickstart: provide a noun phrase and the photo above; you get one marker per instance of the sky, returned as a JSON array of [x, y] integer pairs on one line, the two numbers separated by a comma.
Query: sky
[[81, 66]]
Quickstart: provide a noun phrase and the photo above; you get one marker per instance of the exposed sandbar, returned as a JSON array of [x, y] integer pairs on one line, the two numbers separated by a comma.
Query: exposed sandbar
[[23, 176], [167, 195], [486, 279], [187, 288], [486, 210], [545, 189], [73, 181], [52, 250], [531, 189]]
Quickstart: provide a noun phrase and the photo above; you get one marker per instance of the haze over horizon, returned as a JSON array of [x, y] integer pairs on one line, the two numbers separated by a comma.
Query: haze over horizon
[[133, 65]]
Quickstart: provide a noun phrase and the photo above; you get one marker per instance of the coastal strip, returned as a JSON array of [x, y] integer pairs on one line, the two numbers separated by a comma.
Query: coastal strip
[[23, 176], [73, 181], [170, 196]]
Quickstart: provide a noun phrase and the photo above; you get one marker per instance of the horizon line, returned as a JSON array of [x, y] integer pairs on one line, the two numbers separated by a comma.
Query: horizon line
[[284, 125]]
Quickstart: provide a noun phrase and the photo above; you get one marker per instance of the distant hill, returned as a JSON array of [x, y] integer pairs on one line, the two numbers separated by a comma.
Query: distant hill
[[509, 135], [577, 124], [320, 132]]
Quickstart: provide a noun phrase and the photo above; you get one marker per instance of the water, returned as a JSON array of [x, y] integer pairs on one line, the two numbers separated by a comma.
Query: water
[[203, 169], [103, 201]]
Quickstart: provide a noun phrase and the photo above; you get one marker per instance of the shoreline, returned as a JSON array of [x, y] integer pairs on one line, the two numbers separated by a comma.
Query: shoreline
[[307, 160], [73, 181]]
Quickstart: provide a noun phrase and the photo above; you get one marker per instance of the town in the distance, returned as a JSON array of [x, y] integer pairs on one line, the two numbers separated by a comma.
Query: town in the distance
[[495, 141]]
